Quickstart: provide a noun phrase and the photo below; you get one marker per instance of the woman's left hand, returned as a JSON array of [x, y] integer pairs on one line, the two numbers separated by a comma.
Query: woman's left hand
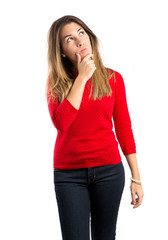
[[137, 194]]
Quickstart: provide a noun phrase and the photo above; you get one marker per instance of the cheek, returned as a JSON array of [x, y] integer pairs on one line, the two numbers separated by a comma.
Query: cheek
[[70, 53], [88, 41]]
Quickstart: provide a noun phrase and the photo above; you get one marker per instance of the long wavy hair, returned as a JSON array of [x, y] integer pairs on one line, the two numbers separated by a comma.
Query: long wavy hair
[[60, 75]]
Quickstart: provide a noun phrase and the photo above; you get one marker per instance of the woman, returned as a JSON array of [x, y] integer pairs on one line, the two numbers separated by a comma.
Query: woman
[[83, 96]]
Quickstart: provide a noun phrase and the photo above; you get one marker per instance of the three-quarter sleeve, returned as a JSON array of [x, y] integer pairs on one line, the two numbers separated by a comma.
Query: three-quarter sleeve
[[62, 114], [121, 117]]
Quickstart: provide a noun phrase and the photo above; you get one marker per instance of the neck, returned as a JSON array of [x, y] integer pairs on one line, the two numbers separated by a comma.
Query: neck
[[74, 69]]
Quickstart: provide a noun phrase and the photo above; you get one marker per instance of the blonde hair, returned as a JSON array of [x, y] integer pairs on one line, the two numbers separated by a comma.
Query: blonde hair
[[60, 76]]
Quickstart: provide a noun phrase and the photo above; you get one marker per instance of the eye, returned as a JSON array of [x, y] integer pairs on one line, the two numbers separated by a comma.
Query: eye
[[72, 38], [81, 32], [68, 39]]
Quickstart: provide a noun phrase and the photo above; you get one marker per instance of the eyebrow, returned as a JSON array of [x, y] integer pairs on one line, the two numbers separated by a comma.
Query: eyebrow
[[71, 34]]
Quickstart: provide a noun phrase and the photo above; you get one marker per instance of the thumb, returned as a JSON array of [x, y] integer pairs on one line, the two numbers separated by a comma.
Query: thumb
[[78, 58], [133, 198]]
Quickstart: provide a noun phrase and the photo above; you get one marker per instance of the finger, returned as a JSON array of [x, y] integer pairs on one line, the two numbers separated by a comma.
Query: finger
[[90, 61], [78, 58], [138, 201], [140, 198], [133, 198], [137, 204], [88, 56]]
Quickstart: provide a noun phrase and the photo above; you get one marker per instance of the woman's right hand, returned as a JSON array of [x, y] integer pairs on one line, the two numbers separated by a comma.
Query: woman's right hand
[[86, 67]]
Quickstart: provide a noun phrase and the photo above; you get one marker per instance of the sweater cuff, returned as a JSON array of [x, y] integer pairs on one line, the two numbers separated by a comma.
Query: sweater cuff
[[129, 151]]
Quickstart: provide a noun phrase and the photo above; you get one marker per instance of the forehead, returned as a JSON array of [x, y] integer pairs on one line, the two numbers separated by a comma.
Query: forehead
[[69, 28]]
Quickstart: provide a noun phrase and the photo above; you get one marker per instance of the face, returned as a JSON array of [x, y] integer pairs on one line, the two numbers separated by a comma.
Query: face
[[73, 40]]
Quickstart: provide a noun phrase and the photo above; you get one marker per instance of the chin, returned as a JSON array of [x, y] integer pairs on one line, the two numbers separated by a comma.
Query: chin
[[85, 54]]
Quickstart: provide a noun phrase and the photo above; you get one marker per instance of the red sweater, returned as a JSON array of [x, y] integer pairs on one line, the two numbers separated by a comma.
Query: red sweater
[[85, 136]]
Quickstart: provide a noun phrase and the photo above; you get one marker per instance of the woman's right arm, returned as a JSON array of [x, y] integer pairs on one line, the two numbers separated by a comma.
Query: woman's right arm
[[76, 93], [86, 69], [62, 115]]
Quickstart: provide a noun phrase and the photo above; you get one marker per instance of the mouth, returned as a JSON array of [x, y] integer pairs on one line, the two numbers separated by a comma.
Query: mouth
[[83, 50]]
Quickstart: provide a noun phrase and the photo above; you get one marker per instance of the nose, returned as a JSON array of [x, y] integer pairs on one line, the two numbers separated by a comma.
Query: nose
[[79, 42]]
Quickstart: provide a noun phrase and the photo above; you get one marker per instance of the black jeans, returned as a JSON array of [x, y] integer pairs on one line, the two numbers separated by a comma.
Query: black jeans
[[89, 195]]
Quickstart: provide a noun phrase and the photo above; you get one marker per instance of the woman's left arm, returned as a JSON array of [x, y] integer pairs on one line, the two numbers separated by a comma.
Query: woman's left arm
[[124, 133], [136, 189]]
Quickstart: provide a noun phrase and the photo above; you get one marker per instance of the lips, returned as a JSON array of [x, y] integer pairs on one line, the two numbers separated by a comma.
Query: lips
[[84, 49]]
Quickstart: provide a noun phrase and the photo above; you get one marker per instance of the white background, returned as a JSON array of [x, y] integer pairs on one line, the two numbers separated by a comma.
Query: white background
[[133, 41]]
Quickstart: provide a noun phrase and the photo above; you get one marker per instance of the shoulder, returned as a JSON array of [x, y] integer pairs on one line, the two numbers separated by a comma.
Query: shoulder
[[118, 76], [115, 76]]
